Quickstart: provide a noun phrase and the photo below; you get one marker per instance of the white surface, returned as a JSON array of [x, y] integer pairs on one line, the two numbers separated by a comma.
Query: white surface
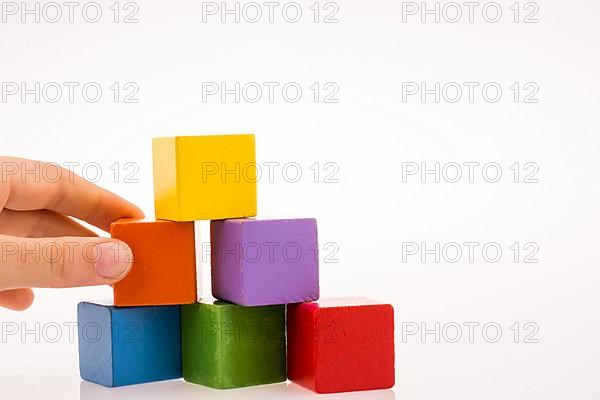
[[370, 212]]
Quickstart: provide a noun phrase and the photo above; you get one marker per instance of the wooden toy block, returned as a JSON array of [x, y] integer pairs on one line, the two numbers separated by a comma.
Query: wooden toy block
[[229, 346], [264, 262], [164, 263], [125, 346], [204, 177], [341, 345]]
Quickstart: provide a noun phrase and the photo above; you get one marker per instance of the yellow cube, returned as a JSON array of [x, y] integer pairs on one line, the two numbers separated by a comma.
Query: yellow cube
[[204, 177]]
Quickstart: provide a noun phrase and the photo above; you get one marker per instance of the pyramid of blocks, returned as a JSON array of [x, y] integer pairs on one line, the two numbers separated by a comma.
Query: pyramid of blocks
[[265, 324]]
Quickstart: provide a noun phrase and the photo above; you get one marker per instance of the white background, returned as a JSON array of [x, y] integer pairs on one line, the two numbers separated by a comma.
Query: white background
[[370, 212]]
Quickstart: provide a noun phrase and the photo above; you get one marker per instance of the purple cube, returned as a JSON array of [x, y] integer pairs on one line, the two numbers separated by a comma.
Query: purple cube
[[264, 262]]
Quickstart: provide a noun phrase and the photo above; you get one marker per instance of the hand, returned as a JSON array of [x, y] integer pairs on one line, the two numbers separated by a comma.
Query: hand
[[41, 245]]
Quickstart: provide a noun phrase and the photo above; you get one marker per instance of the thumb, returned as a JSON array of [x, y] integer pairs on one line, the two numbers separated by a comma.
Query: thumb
[[62, 262]]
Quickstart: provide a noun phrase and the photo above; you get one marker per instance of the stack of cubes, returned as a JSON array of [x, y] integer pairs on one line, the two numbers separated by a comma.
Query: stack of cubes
[[266, 325]]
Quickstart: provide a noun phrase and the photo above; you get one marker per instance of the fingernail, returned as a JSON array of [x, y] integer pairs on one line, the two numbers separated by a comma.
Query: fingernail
[[114, 259]]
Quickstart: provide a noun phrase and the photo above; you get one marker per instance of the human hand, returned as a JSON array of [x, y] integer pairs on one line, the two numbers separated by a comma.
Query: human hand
[[41, 245]]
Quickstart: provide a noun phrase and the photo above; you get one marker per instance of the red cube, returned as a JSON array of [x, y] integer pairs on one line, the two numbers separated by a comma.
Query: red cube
[[341, 345]]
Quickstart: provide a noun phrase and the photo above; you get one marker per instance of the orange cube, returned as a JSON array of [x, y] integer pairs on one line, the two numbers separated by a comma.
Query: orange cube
[[164, 263]]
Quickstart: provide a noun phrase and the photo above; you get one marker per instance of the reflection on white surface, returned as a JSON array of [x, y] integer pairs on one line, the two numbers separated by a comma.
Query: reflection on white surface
[[181, 390]]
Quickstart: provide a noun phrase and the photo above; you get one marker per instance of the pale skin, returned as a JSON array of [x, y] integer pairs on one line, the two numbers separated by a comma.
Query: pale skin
[[41, 245]]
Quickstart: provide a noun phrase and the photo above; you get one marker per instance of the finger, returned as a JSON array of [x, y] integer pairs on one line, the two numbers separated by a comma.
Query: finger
[[40, 223], [62, 262], [16, 299], [36, 185]]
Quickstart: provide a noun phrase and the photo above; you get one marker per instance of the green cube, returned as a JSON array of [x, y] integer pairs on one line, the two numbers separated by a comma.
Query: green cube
[[229, 346]]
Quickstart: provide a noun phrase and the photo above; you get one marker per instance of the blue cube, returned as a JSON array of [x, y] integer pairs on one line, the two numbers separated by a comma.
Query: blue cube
[[127, 345]]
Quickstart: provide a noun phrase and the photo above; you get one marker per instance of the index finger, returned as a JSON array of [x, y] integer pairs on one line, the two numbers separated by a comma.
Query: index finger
[[36, 185]]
